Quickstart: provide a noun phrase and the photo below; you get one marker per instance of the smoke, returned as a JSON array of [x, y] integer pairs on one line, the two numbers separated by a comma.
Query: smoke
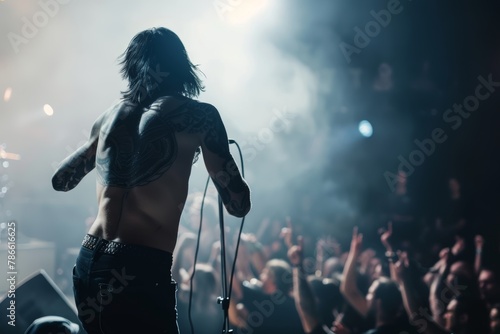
[[63, 53]]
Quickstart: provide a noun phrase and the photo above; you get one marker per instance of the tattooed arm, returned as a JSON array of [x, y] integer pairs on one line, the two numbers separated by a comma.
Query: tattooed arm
[[72, 170], [221, 166]]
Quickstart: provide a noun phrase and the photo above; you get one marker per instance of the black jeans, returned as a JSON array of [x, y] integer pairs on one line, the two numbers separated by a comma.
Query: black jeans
[[125, 291]]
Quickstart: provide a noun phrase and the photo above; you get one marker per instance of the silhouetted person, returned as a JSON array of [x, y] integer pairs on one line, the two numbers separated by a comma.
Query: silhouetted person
[[268, 302], [143, 149], [495, 319], [454, 212], [400, 209], [489, 288], [466, 315], [206, 314]]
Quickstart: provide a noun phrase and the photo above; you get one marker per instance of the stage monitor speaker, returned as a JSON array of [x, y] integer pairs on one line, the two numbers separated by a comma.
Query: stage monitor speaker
[[36, 296]]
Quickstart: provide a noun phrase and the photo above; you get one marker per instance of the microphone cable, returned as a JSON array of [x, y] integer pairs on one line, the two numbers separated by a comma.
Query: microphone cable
[[231, 141], [196, 256]]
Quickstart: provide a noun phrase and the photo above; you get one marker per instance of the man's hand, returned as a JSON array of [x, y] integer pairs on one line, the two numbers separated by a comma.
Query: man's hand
[[479, 242], [356, 242], [459, 246], [287, 233], [385, 237], [339, 328], [401, 267], [295, 253], [443, 254]]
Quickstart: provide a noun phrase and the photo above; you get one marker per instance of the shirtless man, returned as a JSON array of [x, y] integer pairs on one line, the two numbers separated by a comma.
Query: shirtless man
[[143, 149]]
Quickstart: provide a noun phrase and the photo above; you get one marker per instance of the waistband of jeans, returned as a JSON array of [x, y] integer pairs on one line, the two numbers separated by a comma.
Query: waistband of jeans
[[103, 246]]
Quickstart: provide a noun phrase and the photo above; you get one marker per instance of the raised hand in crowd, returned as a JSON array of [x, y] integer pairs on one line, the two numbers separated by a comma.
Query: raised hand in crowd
[[411, 301], [339, 328], [305, 301], [386, 238], [479, 243], [459, 246], [287, 233], [348, 287]]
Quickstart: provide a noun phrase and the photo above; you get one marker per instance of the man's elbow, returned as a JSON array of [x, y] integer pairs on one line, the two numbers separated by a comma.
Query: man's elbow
[[242, 214], [240, 210], [58, 185]]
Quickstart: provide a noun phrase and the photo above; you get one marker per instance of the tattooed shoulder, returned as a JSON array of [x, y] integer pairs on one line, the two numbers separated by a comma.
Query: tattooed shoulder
[[214, 134], [137, 145]]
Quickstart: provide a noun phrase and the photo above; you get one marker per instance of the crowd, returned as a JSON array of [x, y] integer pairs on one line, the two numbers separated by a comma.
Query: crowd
[[288, 283]]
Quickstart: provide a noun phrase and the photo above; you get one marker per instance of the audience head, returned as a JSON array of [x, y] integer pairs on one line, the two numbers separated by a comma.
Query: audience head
[[495, 319], [204, 285], [276, 276], [466, 315], [488, 285], [374, 269], [332, 267], [462, 273], [184, 252], [384, 299], [329, 298]]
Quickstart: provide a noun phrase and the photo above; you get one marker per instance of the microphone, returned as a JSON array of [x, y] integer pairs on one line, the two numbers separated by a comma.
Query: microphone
[[232, 141]]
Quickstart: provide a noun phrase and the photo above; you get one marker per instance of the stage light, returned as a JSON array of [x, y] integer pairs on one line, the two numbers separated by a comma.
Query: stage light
[[239, 12], [7, 94], [48, 110], [365, 128]]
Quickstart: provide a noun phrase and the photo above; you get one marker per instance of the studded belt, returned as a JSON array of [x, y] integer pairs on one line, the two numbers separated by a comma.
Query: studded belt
[[106, 246]]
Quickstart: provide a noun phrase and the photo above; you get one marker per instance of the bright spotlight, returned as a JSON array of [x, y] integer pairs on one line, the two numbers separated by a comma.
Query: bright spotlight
[[365, 128], [7, 94], [48, 110], [241, 11]]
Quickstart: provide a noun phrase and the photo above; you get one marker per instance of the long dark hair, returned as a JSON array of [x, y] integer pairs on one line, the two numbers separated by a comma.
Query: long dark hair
[[156, 63]]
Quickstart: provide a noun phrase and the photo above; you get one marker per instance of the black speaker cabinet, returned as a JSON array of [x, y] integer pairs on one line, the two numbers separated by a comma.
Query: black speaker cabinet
[[36, 296]]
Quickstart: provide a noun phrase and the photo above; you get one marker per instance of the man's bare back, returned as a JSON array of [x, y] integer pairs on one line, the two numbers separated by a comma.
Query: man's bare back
[[143, 158], [143, 150]]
